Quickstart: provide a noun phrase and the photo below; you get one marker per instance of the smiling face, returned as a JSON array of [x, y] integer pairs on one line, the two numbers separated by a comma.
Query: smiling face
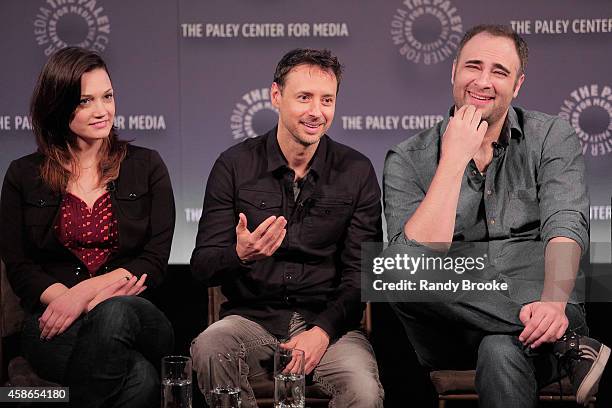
[[306, 104], [486, 75], [93, 117]]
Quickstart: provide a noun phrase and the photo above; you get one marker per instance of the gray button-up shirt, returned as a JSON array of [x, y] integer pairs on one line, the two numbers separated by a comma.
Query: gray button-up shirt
[[533, 190]]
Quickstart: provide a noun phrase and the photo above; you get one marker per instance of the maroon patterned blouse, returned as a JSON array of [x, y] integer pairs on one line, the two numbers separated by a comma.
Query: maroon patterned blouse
[[91, 235]]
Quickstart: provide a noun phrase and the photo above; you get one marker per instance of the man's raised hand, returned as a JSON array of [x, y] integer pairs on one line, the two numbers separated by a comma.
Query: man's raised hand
[[261, 243], [464, 135]]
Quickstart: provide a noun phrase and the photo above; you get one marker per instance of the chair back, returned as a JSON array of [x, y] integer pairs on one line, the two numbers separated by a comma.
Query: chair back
[[215, 299], [11, 314]]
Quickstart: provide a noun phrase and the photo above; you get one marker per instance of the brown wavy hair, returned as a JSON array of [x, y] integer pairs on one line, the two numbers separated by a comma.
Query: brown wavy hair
[[54, 101]]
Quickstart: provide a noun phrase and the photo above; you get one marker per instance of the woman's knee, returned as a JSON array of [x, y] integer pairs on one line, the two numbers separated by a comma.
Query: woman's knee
[[131, 320], [119, 311], [118, 304]]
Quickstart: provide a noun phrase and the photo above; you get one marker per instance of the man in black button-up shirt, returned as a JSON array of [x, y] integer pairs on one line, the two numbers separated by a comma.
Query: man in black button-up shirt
[[283, 221]]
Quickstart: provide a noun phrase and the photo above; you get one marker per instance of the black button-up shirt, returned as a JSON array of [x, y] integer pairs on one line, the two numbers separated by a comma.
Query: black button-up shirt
[[316, 270]]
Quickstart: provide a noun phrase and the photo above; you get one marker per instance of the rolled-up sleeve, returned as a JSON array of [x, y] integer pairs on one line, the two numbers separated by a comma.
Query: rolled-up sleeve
[[402, 196], [564, 200]]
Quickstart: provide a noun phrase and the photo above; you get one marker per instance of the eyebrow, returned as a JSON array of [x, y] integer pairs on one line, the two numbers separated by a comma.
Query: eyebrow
[[105, 92], [495, 65], [311, 93]]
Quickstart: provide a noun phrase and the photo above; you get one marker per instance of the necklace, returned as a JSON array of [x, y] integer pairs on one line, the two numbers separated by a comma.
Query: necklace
[[81, 189]]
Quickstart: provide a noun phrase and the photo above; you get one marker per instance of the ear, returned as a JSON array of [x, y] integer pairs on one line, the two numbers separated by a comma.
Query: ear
[[275, 94], [453, 72], [518, 84]]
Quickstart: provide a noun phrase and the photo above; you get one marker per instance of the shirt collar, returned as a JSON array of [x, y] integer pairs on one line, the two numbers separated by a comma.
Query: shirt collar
[[512, 123], [277, 160]]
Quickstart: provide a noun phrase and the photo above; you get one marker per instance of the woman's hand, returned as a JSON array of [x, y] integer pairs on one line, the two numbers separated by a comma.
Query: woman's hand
[[65, 305], [62, 312], [121, 287]]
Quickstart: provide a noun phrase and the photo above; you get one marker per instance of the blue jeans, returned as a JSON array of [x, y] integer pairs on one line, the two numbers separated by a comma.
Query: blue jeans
[[109, 357], [460, 336]]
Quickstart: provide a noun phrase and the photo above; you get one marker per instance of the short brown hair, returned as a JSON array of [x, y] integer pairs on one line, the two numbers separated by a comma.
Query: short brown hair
[[323, 59], [498, 30]]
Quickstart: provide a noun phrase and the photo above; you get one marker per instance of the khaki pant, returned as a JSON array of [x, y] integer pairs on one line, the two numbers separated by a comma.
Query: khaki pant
[[347, 371]]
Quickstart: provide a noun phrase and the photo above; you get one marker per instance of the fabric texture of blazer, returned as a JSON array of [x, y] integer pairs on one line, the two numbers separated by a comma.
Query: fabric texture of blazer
[[143, 204]]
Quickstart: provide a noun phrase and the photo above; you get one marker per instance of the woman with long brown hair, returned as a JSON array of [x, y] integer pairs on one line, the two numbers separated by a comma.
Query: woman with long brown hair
[[86, 225]]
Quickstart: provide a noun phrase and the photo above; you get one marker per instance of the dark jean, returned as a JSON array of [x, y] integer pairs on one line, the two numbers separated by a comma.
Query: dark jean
[[457, 336], [109, 357]]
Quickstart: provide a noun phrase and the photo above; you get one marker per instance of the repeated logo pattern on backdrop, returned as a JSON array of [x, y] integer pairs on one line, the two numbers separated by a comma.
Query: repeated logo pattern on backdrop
[[252, 111], [589, 110], [59, 23], [426, 31], [192, 77]]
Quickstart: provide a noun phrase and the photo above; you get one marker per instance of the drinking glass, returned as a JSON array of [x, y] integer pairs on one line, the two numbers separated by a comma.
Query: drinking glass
[[176, 382], [224, 380], [289, 381]]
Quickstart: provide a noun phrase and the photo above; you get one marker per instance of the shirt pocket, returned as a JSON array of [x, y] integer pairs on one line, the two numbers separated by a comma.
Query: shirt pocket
[[39, 212], [326, 220], [259, 205], [523, 210], [134, 202]]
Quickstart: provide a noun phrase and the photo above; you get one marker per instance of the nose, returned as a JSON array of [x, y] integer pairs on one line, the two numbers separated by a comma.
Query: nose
[[99, 110], [484, 79], [315, 108]]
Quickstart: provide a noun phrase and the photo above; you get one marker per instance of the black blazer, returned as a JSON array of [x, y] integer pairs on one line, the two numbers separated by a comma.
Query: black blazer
[[143, 204]]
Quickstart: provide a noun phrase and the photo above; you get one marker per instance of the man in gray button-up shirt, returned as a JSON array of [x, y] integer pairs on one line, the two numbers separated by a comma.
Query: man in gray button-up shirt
[[515, 180]]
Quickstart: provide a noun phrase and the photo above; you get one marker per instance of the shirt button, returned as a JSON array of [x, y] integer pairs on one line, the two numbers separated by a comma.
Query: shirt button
[[288, 277], [287, 299], [474, 172], [262, 204], [489, 192], [492, 221], [132, 195], [41, 203], [77, 271]]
